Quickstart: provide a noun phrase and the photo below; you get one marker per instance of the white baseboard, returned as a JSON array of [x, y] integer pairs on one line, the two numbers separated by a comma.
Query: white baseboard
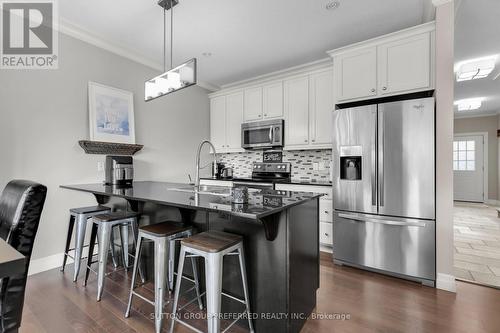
[[327, 249], [446, 282], [46, 263], [493, 202]]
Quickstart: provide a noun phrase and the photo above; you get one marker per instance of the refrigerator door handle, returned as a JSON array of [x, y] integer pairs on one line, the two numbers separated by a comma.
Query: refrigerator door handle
[[387, 222], [381, 155], [374, 167]]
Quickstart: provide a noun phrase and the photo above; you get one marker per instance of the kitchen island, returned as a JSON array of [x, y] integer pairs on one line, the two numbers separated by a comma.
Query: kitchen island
[[281, 240]]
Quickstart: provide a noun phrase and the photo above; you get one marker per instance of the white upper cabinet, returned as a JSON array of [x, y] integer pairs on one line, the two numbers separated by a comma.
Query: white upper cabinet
[[356, 74], [273, 100], [297, 111], [218, 122], [253, 104], [234, 118], [321, 107], [398, 63], [226, 116], [405, 64]]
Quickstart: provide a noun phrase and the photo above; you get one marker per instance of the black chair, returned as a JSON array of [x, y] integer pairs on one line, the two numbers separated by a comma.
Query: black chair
[[21, 205]]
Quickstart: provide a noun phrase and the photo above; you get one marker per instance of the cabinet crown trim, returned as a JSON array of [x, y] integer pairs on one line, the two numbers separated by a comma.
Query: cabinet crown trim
[[397, 35]]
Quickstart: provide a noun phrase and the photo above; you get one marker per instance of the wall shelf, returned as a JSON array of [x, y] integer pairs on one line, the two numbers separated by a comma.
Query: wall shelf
[[109, 148]]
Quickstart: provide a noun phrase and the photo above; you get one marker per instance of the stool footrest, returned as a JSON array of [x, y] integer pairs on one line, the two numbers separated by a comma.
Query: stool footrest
[[234, 298], [186, 324], [143, 298]]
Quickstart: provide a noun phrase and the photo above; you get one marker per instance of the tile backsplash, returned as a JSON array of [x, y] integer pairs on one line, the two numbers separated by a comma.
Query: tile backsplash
[[302, 163]]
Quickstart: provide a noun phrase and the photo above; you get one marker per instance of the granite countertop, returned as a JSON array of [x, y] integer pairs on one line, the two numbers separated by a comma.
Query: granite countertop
[[261, 203], [292, 182]]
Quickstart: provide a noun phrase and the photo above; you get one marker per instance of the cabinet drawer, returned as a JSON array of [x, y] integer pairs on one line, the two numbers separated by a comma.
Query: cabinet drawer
[[327, 190], [325, 210], [326, 233], [210, 182]]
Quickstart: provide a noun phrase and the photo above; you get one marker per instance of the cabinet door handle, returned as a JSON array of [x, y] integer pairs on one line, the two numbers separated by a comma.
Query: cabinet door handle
[[384, 88], [326, 234], [260, 115], [373, 90], [313, 140], [265, 115], [305, 140], [326, 212]]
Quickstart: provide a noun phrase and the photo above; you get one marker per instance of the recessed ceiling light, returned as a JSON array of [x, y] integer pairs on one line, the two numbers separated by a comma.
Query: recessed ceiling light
[[475, 68], [207, 54], [469, 104], [332, 5]]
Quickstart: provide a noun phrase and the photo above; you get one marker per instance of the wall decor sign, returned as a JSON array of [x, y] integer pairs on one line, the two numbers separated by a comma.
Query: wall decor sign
[[111, 114]]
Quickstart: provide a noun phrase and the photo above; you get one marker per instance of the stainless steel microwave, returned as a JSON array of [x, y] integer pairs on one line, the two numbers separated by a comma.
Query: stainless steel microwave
[[262, 134]]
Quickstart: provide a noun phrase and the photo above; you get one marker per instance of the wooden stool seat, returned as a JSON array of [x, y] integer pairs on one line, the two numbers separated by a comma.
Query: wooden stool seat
[[212, 241], [89, 210], [164, 229], [114, 216]]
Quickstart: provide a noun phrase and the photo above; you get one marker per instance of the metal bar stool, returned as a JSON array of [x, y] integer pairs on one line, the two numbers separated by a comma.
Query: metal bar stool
[[213, 246], [102, 228], [80, 217], [164, 235]]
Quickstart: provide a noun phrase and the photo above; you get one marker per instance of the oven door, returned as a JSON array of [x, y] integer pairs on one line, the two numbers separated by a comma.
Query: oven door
[[264, 134]]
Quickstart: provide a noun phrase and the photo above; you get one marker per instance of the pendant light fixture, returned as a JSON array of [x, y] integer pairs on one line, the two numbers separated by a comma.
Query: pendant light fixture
[[174, 79]]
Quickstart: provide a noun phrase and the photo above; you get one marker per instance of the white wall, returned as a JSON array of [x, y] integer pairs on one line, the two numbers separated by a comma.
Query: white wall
[[43, 113], [445, 22], [484, 124]]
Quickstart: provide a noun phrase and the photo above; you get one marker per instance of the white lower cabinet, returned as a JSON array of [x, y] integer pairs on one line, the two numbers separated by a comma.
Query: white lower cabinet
[[326, 233], [325, 209]]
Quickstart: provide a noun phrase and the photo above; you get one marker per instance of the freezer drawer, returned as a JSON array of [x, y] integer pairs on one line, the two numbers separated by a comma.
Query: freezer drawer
[[401, 246]]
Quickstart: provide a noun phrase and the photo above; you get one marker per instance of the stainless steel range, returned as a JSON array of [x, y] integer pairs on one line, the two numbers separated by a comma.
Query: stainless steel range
[[265, 175], [384, 188]]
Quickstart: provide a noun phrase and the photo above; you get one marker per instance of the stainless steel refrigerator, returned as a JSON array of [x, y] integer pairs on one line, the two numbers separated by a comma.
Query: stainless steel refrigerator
[[384, 188]]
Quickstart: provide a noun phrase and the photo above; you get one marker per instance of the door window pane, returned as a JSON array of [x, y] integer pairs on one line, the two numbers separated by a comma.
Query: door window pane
[[464, 155]]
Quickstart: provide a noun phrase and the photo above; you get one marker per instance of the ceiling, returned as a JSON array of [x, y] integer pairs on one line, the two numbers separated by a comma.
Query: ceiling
[[477, 34], [246, 38]]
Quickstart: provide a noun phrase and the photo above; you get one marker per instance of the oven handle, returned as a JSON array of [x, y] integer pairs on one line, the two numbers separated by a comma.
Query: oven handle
[[388, 222], [271, 130]]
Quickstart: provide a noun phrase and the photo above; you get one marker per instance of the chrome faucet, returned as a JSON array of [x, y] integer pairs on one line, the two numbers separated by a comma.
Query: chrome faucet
[[197, 179]]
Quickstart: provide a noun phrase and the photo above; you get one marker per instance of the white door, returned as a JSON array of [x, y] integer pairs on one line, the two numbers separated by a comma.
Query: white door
[[405, 64], [218, 123], [468, 168], [273, 100], [321, 107], [234, 118], [253, 104], [297, 111], [356, 74]]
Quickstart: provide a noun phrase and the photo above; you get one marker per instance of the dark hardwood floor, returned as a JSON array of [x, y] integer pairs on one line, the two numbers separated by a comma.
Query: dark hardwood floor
[[368, 302]]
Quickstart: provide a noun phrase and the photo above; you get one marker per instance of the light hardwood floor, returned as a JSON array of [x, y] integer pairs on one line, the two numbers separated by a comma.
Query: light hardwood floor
[[364, 301], [477, 243]]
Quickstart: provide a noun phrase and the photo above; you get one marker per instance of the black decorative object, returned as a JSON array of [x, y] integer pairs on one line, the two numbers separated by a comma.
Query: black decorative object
[[272, 156], [109, 148]]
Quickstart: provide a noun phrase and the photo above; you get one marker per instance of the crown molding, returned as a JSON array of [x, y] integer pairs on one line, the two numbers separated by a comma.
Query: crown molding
[[437, 3], [277, 75], [70, 29]]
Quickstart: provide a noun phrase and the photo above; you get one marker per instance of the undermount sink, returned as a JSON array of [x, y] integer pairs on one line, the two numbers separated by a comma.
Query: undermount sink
[[204, 189]]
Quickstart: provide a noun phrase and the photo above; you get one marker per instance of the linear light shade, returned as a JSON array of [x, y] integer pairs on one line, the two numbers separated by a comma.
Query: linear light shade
[[475, 69], [177, 78], [469, 104]]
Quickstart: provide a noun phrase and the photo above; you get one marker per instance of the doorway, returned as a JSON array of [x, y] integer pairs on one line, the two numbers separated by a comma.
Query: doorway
[[469, 161]]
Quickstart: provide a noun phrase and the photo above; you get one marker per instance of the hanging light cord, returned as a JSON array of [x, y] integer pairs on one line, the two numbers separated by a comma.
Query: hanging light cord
[[171, 37], [171, 34], [164, 38]]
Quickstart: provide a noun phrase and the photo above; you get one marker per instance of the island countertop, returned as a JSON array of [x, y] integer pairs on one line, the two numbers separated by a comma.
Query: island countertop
[[261, 203]]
